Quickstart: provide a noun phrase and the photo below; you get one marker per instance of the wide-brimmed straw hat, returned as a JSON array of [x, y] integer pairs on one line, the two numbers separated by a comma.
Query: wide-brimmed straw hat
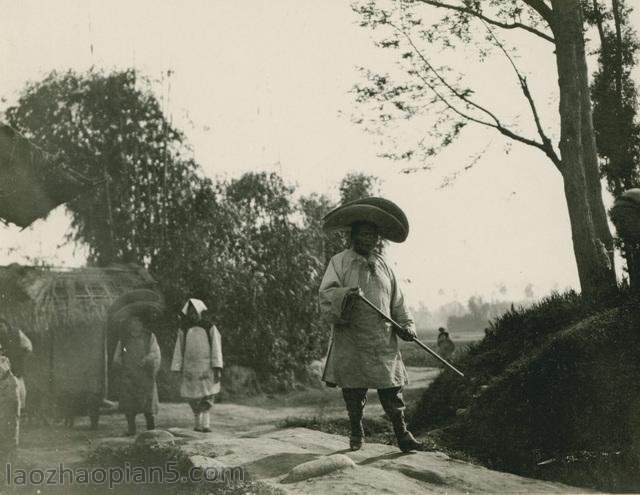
[[625, 215], [386, 215], [133, 296], [630, 197], [147, 310]]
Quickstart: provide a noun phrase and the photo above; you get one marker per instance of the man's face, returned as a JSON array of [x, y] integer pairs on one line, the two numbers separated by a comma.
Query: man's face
[[365, 238], [136, 327]]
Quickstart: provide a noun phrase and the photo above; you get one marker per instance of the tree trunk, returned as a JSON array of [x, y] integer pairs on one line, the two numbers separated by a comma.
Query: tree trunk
[[589, 228], [596, 276], [590, 152]]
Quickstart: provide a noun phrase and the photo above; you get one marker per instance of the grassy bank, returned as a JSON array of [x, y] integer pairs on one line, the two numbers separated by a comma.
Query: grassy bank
[[552, 392]]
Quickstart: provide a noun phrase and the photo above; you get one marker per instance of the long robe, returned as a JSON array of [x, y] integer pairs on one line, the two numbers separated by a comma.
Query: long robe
[[139, 357], [197, 361], [363, 352]]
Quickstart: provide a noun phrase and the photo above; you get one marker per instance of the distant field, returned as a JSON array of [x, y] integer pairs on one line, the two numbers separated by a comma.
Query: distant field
[[413, 355]]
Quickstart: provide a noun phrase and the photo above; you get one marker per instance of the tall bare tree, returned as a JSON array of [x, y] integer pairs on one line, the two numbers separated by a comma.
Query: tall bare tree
[[560, 24]]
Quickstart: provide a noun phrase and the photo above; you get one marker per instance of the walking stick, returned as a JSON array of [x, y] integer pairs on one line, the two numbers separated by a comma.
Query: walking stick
[[415, 339]]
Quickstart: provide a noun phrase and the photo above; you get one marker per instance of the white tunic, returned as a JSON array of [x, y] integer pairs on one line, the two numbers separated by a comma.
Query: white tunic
[[197, 362]]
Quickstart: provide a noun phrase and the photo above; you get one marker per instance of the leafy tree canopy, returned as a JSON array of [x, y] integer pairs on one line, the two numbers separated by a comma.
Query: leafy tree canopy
[[111, 126]]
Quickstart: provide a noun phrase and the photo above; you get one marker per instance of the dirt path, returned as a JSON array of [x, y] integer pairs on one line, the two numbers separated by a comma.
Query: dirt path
[[44, 446], [249, 433]]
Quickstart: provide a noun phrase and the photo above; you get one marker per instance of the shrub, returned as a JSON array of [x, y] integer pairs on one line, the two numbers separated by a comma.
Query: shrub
[[555, 382]]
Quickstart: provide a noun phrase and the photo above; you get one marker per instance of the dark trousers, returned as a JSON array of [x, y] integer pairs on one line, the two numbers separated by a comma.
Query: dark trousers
[[150, 419], [392, 403]]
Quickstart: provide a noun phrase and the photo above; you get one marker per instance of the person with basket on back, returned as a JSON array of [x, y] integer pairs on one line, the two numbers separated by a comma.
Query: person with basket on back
[[138, 356]]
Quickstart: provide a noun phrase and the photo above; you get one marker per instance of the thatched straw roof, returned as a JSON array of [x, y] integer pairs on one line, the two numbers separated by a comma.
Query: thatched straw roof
[[48, 298], [32, 182]]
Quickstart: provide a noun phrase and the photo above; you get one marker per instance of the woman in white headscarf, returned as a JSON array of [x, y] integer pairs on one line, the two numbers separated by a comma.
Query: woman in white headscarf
[[198, 357]]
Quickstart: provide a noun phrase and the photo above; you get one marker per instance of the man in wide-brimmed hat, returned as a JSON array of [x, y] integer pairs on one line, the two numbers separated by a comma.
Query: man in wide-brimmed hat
[[364, 352]]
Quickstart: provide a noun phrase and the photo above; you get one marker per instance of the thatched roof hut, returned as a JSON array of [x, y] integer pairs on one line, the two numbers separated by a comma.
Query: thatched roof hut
[[33, 182], [64, 313]]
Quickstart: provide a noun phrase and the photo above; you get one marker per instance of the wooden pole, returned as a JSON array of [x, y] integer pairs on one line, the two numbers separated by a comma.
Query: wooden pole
[[415, 339]]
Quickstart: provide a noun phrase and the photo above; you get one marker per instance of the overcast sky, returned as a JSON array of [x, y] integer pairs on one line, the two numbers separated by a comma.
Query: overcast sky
[[264, 85]]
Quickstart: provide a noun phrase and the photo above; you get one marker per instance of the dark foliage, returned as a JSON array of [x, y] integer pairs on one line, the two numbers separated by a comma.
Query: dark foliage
[[111, 127], [554, 383], [615, 95]]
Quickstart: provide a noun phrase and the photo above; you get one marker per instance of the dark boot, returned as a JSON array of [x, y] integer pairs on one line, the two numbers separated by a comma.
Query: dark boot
[[393, 404], [406, 441], [95, 420], [356, 439], [151, 421], [355, 400]]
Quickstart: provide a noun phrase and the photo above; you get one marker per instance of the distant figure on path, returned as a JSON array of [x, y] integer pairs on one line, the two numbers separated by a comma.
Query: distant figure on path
[[197, 356], [364, 352], [138, 355], [16, 346], [445, 345]]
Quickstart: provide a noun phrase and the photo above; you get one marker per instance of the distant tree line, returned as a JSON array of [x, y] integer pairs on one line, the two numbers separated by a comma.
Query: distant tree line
[[471, 318]]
